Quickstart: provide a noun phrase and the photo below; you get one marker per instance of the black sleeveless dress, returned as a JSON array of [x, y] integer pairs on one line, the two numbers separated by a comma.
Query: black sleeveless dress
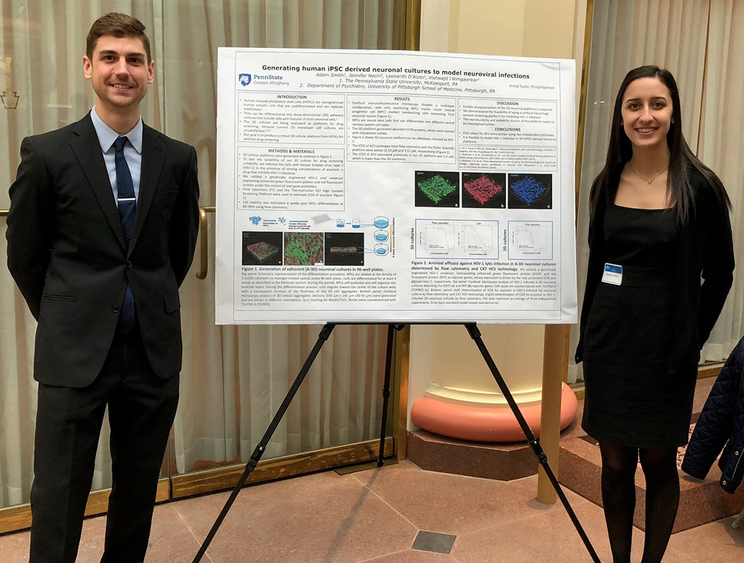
[[630, 399]]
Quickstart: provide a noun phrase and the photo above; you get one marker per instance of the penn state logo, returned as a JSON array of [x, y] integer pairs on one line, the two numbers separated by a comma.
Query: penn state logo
[[244, 79]]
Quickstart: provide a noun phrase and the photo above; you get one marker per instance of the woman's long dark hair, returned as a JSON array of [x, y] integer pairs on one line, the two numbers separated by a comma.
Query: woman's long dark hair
[[681, 157]]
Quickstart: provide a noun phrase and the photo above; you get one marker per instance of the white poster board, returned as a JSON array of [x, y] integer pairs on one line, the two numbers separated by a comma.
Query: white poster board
[[389, 186]]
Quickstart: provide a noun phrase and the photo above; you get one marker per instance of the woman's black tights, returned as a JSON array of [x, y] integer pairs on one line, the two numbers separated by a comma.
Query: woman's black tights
[[619, 465]]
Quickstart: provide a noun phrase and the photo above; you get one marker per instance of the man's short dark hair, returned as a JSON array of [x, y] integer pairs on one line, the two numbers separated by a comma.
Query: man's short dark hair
[[117, 25]]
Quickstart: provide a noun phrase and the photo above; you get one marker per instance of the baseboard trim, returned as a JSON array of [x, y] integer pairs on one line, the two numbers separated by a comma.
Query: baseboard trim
[[17, 518], [221, 478]]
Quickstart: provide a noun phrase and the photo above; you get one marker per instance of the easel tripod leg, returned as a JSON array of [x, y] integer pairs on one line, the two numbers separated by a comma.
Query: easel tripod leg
[[475, 334], [325, 333], [386, 389]]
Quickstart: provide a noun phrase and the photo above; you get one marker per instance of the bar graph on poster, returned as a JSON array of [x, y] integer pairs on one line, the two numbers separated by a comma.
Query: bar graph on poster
[[389, 186]]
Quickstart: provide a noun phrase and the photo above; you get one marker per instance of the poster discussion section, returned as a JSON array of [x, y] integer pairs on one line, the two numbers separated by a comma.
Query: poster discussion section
[[388, 186]]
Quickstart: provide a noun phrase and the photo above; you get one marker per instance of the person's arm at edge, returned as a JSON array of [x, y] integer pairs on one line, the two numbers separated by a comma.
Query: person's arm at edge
[[718, 263], [184, 226], [593, 276], [30, 222]]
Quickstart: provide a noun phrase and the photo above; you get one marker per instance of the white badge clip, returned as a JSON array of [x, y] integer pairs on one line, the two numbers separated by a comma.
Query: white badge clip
[[613, 274]]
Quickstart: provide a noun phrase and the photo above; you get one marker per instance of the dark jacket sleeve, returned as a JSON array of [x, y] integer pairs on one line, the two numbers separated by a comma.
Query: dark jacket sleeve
[[184, 225], [30, 225], [716, 423], [718, 261], [593, 274]]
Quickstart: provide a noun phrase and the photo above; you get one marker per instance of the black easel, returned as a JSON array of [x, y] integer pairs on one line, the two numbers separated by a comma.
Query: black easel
[[386, 388], [325, 333], [542, 457]]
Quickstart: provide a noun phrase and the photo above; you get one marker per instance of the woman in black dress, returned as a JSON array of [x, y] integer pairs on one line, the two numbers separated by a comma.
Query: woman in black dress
[[659, 221]]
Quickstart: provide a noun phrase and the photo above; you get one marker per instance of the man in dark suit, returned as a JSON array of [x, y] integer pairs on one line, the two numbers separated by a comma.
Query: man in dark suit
[[101, 233]]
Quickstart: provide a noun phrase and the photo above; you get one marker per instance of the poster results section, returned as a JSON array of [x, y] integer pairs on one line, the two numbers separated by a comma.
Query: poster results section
[[379, 186]]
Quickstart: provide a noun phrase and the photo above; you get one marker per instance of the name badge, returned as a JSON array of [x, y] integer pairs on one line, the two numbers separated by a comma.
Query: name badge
[[613, 274]]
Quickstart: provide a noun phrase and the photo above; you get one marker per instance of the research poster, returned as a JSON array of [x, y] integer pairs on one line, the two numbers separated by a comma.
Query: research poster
[[388, 186]]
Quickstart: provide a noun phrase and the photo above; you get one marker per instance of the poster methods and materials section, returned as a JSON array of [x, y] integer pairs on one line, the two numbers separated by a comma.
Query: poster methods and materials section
[[387, 186]]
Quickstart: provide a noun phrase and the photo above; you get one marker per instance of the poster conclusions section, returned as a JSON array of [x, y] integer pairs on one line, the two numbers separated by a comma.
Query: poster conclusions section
[[388, 186]]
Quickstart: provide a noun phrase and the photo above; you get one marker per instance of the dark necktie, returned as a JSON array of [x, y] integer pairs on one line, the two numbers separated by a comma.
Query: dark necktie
[[127, 208]]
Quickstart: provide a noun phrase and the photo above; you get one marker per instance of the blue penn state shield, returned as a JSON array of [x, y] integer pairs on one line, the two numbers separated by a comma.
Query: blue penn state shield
[[244, 79]]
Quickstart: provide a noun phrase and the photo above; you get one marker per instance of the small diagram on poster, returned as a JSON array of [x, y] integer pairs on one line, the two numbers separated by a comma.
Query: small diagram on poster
[[303, 249], [483, 190], [456, 239], [530, 191], [262, 249], [437, 189], [530, 241], [344, 249]]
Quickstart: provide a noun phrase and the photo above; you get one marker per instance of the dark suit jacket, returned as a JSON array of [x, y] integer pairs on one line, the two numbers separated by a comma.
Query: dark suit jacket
[[721, 427], [68, 255]]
